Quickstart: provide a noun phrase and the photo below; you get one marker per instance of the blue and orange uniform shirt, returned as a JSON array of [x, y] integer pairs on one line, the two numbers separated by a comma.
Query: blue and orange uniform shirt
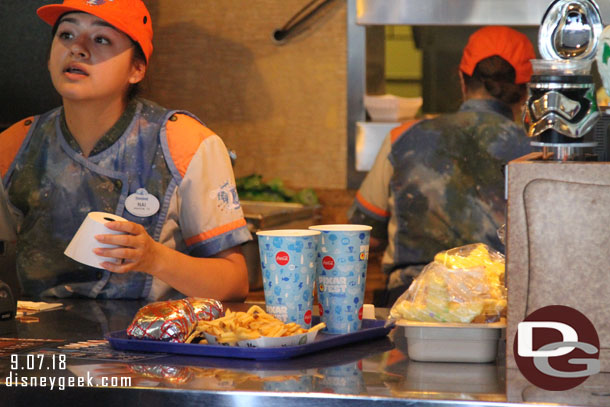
[[49, 187], [439, 183]]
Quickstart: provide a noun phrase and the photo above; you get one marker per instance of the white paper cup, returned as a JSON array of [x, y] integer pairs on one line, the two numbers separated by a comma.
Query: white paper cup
[[288, 264], [82, 244], [341, 275]]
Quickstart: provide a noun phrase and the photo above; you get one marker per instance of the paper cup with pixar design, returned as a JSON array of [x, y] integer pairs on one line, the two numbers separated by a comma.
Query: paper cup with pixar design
[[288, 263], [341, 275]]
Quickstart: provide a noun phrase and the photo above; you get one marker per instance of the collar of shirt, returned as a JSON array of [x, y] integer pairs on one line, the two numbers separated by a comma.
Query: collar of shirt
[[488, 105], [111, 136]]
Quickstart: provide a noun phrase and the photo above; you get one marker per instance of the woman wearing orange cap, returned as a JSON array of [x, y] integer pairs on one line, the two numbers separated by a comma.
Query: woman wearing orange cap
[[105, 150], [438, 183]]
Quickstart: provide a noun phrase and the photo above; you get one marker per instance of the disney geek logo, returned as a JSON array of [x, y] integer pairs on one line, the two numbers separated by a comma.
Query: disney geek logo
[[556, 348]]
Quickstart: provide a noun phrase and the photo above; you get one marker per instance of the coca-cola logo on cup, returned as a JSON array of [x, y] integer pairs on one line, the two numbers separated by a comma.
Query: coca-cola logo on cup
[[307, 317], [328, 262], [282, 258]]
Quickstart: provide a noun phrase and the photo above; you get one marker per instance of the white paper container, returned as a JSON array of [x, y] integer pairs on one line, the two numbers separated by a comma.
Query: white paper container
[[391, 108], [268, 342], [452, 342], [83, 242]]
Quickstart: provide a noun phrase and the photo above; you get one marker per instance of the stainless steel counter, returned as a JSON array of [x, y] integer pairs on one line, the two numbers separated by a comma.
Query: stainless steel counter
[[357, 375], [457, 12]]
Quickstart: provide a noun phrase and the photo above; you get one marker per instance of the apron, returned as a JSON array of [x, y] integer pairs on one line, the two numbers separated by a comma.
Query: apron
[[55, 188], [448, 181]]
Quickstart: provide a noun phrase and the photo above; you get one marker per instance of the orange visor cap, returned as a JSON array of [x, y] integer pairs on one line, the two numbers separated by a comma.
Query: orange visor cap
[[504, 42], [129, 16]]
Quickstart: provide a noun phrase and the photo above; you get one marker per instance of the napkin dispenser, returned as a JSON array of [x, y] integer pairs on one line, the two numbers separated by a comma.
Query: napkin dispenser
[[558, 242]]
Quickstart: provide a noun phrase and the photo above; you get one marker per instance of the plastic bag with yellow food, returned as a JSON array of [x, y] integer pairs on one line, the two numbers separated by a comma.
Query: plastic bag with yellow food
[[464, 284]]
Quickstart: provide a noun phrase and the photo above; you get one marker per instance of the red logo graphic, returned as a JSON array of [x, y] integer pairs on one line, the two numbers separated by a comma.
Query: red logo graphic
[[321, 309], [556, 348], [328, 262], [360, 313], [282, 258], [307, 317]]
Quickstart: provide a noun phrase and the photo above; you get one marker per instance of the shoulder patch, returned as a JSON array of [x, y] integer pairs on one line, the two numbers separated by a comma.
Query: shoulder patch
[[184, 135], [396, 132], [10, 142]]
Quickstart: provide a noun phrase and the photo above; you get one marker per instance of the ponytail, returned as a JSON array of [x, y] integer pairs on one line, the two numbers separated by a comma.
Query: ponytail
[[497, 76]]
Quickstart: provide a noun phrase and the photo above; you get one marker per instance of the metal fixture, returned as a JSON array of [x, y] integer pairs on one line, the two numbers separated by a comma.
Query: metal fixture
[[561, 110], [296, 24]]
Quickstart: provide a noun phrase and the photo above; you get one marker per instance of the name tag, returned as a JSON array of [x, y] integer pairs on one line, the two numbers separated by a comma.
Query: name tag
[[142, 204]]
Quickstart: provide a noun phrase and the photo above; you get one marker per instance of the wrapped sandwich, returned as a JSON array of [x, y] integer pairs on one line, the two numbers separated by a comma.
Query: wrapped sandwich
[[173, 321]]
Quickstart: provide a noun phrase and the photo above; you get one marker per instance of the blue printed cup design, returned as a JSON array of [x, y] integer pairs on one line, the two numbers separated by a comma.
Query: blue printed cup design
[[288, 263], [341, 275], [343, 379], [300, 384]]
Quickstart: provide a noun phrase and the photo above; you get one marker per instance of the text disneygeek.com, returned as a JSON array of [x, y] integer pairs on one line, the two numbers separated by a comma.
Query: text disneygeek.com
[[25, 372]]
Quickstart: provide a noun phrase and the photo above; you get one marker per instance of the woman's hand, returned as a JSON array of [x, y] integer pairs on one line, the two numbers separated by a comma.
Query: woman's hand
[[137, 252], [223, 276]]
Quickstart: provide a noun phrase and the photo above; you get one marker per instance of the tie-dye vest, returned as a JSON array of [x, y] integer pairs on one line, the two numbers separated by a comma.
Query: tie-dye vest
[[55, 187]]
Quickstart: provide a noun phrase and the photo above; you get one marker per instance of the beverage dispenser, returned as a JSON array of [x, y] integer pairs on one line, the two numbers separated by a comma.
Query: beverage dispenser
[[561, 109], [558, 216]]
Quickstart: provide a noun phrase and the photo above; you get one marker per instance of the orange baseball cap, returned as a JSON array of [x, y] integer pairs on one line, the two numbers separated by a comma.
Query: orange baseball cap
[[504, 42], [129, 16]]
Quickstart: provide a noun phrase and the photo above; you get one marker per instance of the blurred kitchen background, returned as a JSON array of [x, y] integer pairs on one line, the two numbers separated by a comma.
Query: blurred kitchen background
[[287, 108]]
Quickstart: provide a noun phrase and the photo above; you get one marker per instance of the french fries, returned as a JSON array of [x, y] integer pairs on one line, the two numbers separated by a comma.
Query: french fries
[[232, 377], [252, 324]]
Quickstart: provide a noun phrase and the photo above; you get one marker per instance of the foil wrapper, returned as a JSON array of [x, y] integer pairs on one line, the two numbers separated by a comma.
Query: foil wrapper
[[163, 373], [173, 321], [206, 309]]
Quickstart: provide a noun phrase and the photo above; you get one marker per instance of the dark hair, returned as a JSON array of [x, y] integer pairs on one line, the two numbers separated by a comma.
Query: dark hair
[[497, 76], [135, 88], [138, 54]]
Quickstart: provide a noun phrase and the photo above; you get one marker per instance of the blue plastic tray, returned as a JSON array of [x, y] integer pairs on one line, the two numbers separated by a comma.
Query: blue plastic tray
[[370, 329]]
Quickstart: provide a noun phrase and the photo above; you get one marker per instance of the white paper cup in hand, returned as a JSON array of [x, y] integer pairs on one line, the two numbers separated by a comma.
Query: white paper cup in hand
[[82, 244]]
